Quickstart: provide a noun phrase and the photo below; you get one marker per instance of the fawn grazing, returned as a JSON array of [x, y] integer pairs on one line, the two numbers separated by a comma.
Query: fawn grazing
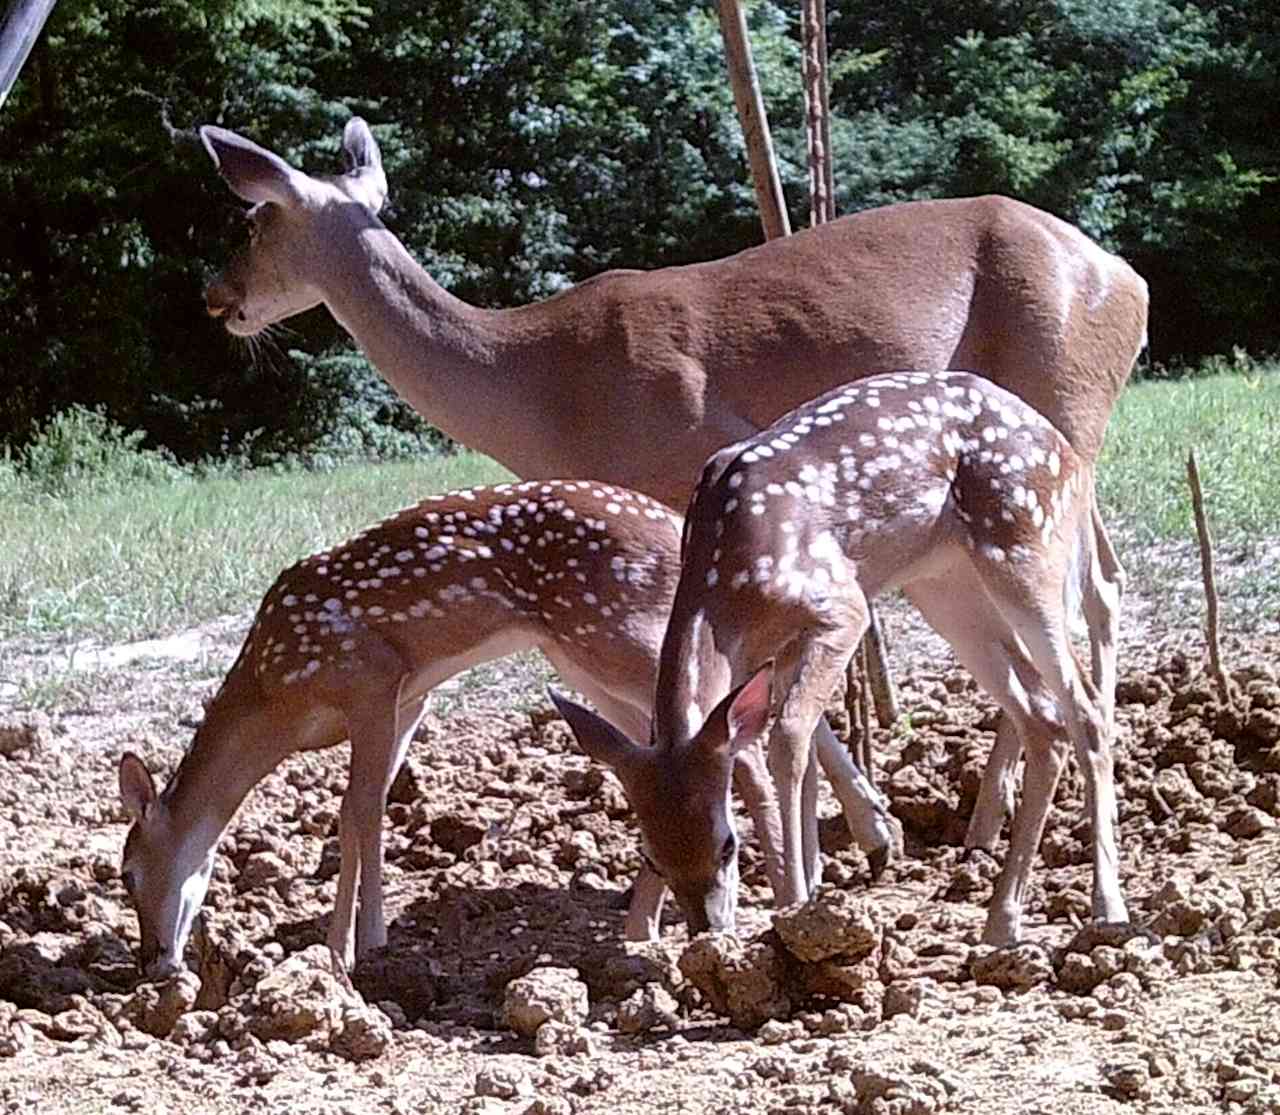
[[944, 485], [349, 643]]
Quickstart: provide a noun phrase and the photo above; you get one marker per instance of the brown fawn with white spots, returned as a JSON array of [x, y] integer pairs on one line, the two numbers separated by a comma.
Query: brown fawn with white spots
[[348, 644], [636, 377], [944, 485]]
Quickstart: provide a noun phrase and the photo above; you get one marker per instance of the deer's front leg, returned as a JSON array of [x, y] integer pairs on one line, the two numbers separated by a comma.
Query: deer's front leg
[[379, 740], [644, 916], [996, 792], [752, 781], [818, 669]]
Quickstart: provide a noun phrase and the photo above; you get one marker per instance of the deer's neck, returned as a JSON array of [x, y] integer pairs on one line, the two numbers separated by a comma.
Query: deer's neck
[[227, 758], [693, 675], [468, 370]]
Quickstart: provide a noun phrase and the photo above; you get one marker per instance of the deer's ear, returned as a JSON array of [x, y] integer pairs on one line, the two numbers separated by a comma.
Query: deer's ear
[[741, 718], [600, 739], [253, 173], [364, 181], [137, 790]]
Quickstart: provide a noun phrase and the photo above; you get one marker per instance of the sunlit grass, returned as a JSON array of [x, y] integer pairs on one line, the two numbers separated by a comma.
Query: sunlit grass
[[153, 558], [1232, 422]]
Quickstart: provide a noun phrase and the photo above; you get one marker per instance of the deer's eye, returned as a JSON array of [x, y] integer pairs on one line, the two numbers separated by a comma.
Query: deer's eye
[[729, 850]]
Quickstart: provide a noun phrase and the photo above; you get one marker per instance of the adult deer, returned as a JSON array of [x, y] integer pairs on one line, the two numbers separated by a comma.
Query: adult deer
[[944, 485], [350, 642], [637, 377]]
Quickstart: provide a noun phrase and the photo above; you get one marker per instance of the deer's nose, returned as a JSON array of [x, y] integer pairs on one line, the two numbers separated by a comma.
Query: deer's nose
[[222, 297]]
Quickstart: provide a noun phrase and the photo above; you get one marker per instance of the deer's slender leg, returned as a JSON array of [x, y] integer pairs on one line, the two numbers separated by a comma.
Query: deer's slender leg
[[1103, 593], [818, 663], [997, 793], [1035, 614], [1081, 709], [380, 737], [989, 649], [866, 812]]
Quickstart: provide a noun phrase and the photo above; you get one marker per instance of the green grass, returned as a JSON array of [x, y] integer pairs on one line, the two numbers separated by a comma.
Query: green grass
[[1232, 420], [152, 558], [1233, 423], [149, 558]]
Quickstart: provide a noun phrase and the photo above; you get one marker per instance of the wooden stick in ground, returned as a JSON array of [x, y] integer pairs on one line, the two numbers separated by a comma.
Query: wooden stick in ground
[[755, 124], [871, 663], [19, 31], [1225, 688], [813, 23]]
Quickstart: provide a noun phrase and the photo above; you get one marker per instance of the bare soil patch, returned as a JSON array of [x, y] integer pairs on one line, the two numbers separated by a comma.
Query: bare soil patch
[[506, 986]]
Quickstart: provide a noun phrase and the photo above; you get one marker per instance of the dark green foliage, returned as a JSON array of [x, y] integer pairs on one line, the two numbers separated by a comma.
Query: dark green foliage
[[530, 145]]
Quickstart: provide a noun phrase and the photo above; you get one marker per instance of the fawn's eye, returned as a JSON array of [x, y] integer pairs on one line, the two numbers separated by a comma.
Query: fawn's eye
[[729, 850]]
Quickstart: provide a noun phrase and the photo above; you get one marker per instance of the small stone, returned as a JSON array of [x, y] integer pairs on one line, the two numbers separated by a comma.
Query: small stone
[[1012, 968], [833, 923], [560, 1039], [545, 993], [504, 1082], [647, 1007]]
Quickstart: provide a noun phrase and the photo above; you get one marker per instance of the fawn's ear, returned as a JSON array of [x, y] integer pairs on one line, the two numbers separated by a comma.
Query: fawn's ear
[[598, 738], [740, 719], [253, 173], [137, 790]]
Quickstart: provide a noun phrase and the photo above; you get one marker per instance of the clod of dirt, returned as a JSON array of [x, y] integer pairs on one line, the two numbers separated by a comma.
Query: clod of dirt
[[560, 1039], [29, 734], [745, 980], [1013, 968], [455, 833], [307, 1001], [623, 967], [1128, 1080], [909, 997], [1247, 823], [154, 1008], [16, 1036], [647, 1007], [544, 994], [403, 977], [82, 1022], [363, 1033], [28, 978], [886, 1090], [504, 1082], [832, 924]]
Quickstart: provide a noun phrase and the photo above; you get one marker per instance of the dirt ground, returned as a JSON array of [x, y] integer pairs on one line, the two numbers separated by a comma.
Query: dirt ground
[[507, 988]]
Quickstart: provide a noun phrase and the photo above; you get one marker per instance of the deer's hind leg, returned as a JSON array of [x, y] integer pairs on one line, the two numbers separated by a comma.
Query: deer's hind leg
[[1037, 618], [959, 609]]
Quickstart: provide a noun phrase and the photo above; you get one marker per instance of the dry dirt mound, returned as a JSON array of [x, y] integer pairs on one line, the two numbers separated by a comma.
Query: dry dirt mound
[[506, 987]]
